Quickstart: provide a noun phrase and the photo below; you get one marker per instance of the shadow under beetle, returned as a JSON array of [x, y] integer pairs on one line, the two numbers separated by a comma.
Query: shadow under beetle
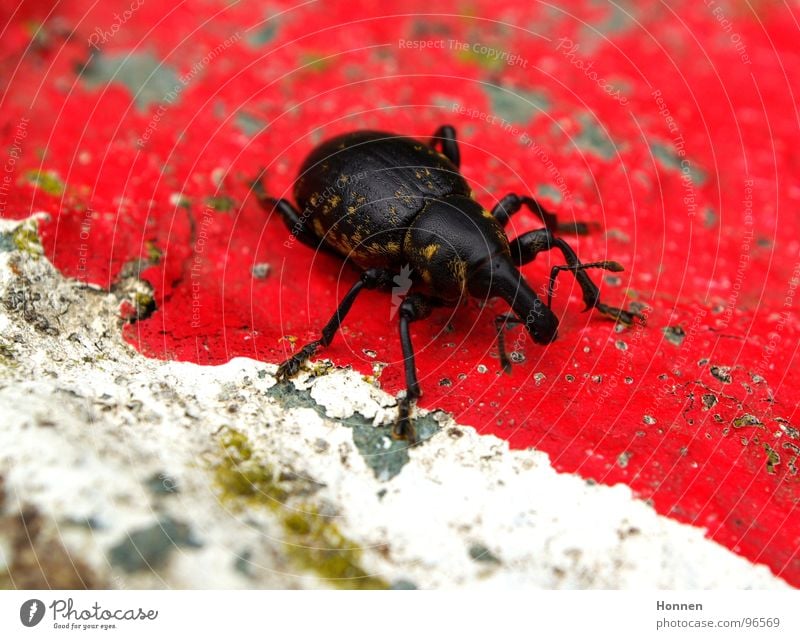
[[387, 202]]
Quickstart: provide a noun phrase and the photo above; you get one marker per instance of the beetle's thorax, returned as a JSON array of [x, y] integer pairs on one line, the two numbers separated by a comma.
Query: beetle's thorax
[[451, 237]]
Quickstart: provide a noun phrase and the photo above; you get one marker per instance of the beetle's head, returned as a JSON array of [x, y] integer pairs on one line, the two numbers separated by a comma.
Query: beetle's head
[[457, 248]]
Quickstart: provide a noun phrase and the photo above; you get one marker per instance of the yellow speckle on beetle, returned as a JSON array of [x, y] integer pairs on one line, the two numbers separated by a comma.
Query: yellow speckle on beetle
[[430, 250]]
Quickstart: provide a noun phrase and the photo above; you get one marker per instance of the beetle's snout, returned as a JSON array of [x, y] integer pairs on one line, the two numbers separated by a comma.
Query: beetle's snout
[[542, 325], [499, 277]]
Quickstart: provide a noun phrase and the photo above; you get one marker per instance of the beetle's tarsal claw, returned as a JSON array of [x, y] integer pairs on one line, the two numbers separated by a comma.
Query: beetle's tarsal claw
[[624, 317], [404, 426], [505, 363], [291, 366], [614, 267]]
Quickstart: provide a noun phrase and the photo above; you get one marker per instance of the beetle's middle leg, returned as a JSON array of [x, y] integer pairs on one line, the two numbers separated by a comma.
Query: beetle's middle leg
[[512, 203], [414, 307], [445, 136], [525, 248], [370, 279]]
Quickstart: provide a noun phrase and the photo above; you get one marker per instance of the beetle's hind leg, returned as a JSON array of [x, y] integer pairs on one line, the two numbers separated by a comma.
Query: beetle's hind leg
[[414, 307], [370, 279], [525, 248], [512, 203], [445, 138]]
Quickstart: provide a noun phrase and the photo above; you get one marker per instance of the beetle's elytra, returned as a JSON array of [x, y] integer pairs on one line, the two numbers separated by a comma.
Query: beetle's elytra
[[387, 202]]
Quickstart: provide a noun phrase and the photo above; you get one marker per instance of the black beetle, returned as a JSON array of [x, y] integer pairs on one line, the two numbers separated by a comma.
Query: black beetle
[[390, 202]]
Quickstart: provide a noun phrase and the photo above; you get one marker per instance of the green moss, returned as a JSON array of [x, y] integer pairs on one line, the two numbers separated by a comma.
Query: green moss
[[145, 305], [312, 541], [747, 420], [314, 62], [179, 199], [143, 299], [153, 252], [221, 203], [484, 60], [47, 181], [773, 458], [242, 478], [7, 356], [315, 543], [23, 238]]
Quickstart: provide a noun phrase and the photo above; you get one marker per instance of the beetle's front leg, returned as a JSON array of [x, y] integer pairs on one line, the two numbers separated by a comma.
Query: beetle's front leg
[[501, 322], [525, 248], [512, 203], [370, 279], [414, 307]]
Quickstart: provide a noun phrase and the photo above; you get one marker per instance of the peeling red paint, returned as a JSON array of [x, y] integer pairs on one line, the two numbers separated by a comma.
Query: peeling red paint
[[704, 424]]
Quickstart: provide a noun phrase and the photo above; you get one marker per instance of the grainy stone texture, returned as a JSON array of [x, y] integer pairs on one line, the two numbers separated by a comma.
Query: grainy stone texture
[[122, 471]]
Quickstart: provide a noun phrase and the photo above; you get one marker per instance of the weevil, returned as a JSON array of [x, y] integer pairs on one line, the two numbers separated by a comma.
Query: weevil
[[389, 203]]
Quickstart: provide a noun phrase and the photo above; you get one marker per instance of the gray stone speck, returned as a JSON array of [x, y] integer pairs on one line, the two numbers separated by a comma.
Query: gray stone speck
[[403, 584], [261, 270], [162, 484], [149, 79], [516, 106], [709, 401], [386, 461], [594, 138], [722, 373], [243, 565], [151, 547], [479, 552], [674, 334]]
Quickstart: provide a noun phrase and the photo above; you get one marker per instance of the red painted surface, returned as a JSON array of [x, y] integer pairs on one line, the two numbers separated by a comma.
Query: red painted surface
[[713, 256]]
